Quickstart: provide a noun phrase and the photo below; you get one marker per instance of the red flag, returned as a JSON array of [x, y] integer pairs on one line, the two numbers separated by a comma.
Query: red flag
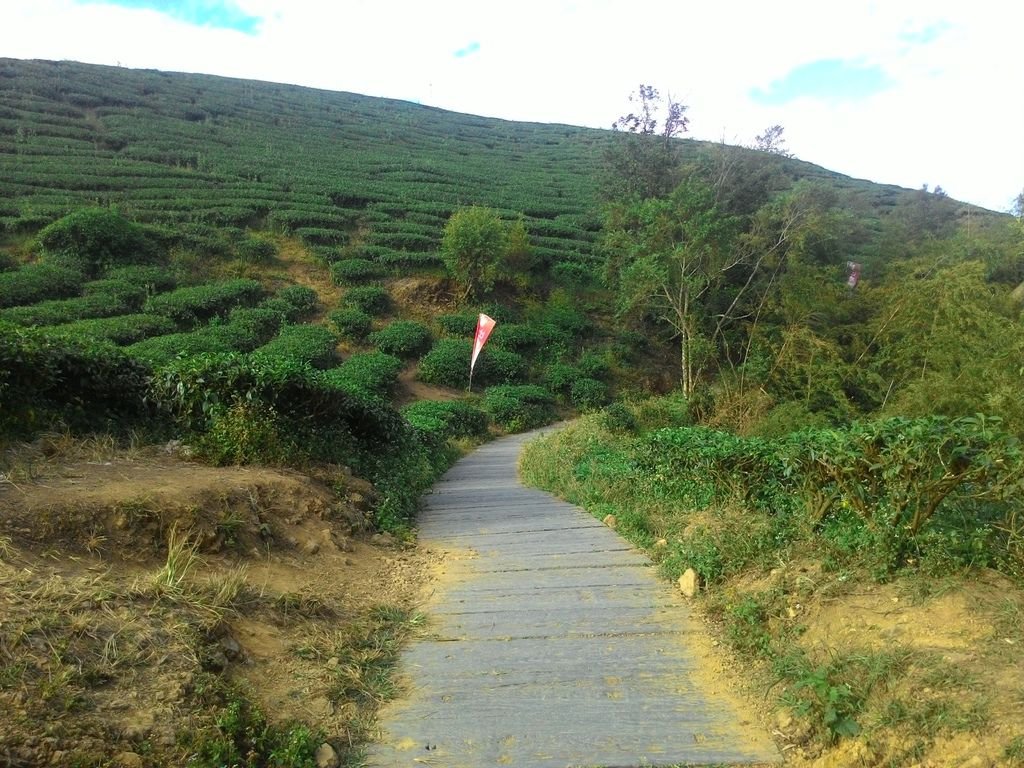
[[484, 326], [854, 277]]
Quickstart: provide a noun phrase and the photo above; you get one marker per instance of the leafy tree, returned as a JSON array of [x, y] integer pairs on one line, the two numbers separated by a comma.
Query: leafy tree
[[771, 141], [645, 162], [665, 256], [478, 247]]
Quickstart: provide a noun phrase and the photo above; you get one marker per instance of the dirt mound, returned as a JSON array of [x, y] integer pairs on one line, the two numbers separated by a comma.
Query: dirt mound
[[150, 606]]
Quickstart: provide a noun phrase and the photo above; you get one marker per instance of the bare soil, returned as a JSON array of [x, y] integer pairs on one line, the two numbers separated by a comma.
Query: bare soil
[[130, 580]]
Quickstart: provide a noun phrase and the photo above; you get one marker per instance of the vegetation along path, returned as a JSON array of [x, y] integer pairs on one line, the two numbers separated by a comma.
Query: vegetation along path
[[551, 643]]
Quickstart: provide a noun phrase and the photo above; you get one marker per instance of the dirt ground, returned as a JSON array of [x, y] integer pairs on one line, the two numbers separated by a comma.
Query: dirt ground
[[127, 580]]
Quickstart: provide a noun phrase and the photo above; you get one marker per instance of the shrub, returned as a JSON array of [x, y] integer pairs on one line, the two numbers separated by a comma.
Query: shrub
[[559, 377], [588, 394], [462, 324], [153, 278], [312, 344], [186, 306], [447, 364], [62, 311], [367, 374], [517, 337], [121, 330], [351, 323], [446, 419], [47, 379], [256, 250], [98, 239], [127, 293], [36, 282], [371, 299], [403, 338], [499, 366], [593, 365], [302, 299], [618, 418], [348, 271], [160, 350], [248, 327], [518, 408]]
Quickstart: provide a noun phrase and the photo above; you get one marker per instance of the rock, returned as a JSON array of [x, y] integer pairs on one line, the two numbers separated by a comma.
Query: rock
[[232, 650], [382, 539], [217, 661], [783, 719], [610, 521], [326, 757], [128, 760], [333, 662], [977, 761], [689, 583], [310, 547], [661, 544]]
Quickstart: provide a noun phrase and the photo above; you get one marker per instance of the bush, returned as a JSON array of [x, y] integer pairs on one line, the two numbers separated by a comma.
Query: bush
[[446, 419], [160, 350], [256, 250], [619, 419], [403, 338], [368, 374], [371, 299], [447, 365], [98, 239], [37, 282], [248, 327], [121, 290], [120, 330], [312, 344], [66, 310], [187, 306], [154, 279], [559, 377], [517, 337], [518, 408], [463, 324], [592, 365], [352, 324], [303, 301], [46, 380], [588, 394], [348, 271]]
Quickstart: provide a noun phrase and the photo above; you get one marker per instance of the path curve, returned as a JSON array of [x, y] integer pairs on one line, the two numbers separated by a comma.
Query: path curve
[[551, 643]]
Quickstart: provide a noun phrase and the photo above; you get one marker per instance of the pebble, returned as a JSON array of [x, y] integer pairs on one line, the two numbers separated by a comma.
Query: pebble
[[326, 757], [689, 583]]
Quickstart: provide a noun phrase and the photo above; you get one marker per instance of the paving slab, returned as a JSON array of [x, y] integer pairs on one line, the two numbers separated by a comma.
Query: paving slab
[[550, 643]]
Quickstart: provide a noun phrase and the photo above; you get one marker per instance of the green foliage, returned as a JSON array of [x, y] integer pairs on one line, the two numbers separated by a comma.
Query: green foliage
[[256, 250], [245, 330], [402, 338], [187, 306], [367, 374], [98, 239], [446, 419], [312, 344], [519, 408], [589, 394], [301, 299], [153, 278], [67, 310], [462, 324], [374, 300], [447, 364], [347, 271], [619, 418], [121, 330], [47, 380], [36, 282], [352, 323], [476, 245]]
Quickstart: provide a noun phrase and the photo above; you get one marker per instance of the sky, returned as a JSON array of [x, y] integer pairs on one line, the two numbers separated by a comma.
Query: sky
[[900, 92]]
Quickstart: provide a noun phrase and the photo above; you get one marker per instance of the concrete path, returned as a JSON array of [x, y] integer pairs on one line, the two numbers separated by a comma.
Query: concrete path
[[551, 643]]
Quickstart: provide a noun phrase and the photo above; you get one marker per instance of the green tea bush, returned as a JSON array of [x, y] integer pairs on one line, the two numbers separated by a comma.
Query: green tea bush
[[367, 374], [351, 323], [517, 337], [285, 311], [371, 299], [48, 380], [120, 330], [446, 419], [499, 366], [519, 408], [187, 306], [593, 365], [303, 300], [588, 394], [153, 278], [256, 250], [248, 328], [462, 324], [559, 377], [161, 350], [402, 338], [348, 271], [98, 239], [321, 235], [121, 290], [312, 344], [38, 282], [618, 418], [447, 365], [62, 311]]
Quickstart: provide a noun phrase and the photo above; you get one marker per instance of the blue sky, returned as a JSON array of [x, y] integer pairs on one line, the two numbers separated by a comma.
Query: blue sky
[[906, 92]]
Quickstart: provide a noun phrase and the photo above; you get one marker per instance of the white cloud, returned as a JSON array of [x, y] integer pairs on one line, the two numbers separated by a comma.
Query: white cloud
[[952, 115]]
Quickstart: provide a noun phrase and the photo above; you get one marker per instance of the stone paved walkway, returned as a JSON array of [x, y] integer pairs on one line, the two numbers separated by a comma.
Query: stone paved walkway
[[551, 643]]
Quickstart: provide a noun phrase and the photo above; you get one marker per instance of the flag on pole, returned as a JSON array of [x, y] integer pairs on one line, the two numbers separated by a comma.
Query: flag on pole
[[484, 326], [854, 277]]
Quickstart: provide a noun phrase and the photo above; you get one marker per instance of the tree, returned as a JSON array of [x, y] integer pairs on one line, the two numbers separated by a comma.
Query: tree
[[771, 141], [644, 162], [97, 239], [478, 248], [665, 256]]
